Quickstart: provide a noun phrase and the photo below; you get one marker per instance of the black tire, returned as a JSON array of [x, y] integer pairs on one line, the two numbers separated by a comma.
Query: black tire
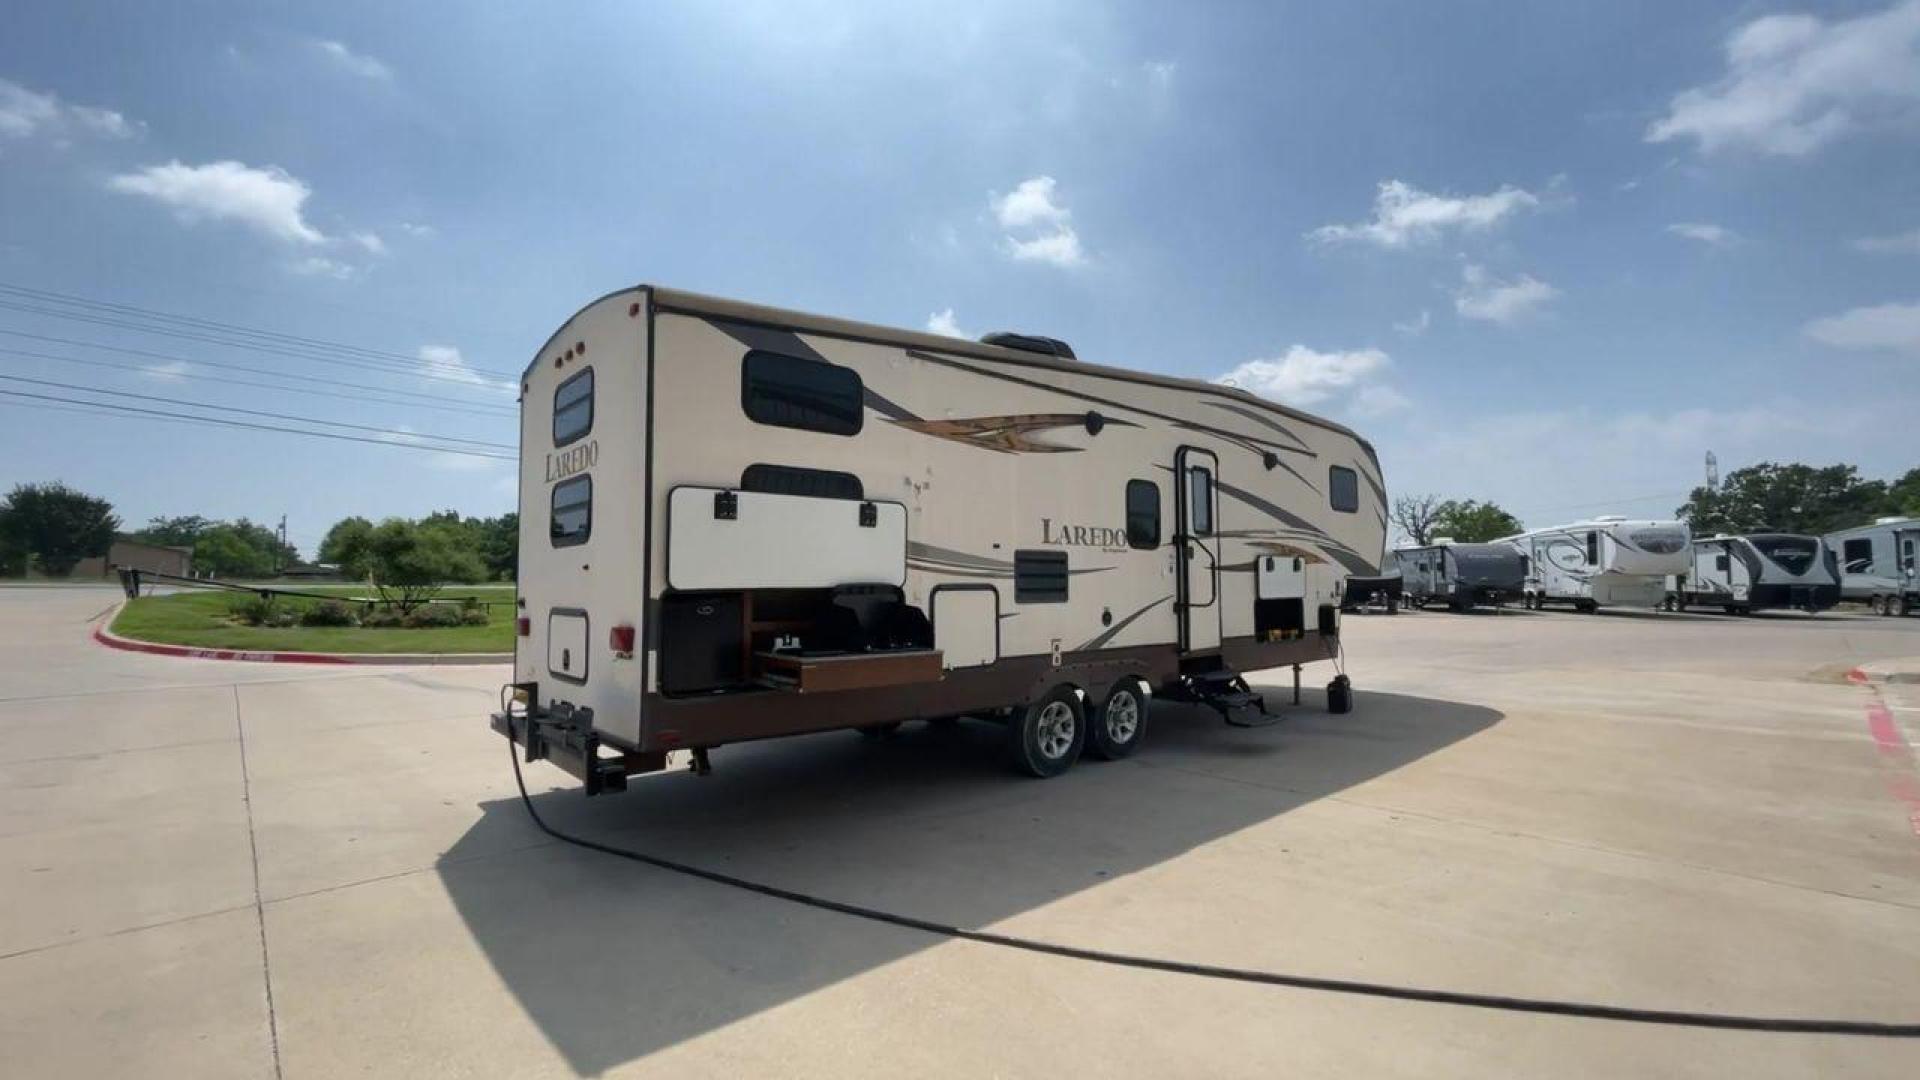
[[1118, 725], [1034, 739], [879, 731]]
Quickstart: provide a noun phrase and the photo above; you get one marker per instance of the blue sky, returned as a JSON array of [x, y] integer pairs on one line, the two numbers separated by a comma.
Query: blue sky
[[1543, 254]]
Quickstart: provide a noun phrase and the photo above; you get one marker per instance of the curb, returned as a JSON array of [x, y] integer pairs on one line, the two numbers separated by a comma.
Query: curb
[[1865, 674], [111, 640]]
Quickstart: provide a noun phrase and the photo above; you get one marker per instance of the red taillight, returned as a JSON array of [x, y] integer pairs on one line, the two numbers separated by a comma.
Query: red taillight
[[523, 626], [620, 639]]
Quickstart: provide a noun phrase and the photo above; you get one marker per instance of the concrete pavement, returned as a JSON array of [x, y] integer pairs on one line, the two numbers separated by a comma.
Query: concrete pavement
[[234, 869]]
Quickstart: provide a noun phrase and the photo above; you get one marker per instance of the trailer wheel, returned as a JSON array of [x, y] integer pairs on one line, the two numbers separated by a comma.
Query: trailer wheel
[[1116, 728], [1046, 738]]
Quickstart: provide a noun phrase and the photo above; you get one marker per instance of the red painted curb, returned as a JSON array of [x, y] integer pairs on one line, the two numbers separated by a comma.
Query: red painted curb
[[114, 641]]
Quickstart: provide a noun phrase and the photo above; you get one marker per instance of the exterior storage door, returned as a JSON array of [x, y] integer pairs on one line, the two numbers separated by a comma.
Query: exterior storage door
[[1196, 544]]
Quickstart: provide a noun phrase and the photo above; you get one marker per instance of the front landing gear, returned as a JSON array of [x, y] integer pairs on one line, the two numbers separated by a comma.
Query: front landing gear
[[1340, 695]]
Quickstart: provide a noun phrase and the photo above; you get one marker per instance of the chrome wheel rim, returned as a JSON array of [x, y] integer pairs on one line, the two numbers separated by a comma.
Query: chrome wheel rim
[[1122, 716], [1055, 730]]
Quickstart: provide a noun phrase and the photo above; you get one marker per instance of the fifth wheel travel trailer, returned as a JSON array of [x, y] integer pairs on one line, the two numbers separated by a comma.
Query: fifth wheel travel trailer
[[1877, 564], [1744, 574], [740, 523], [1605, 562], [1461, 575]]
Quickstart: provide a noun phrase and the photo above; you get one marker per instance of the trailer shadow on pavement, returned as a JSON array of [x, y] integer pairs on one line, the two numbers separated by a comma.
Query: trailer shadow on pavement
[[615, 960]]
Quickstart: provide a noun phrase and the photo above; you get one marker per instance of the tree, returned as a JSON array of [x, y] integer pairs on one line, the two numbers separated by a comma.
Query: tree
[[173, 531], [345, 546], [500, 545], [1473, 522], [228, 550], [1903, 495], [1788, 498], [1414, 514], [56, 525], [411, 561]]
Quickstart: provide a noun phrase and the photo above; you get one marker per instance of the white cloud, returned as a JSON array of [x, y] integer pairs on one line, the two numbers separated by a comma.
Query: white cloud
[[1060, 247], [1795, 83], [1416, 326], [1711, 235], [1304, 376], [1482, 296], [1886, 326], [1031, 203], [370, 243], [415, 228], [171, 371], [321, 266], [26, 113], [1906, 243], [444, 363], [268, 200], [1048, 233], [1404, 215], [366, 67], [943, 322]]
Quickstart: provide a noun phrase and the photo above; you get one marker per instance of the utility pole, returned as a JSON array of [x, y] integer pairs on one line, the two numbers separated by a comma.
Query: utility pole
[[279, 552]]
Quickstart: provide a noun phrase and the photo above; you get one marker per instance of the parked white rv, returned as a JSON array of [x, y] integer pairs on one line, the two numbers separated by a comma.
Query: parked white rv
[[1461, 575], [1744, 574], [739, 522], [1877, 564], [1605, 562]]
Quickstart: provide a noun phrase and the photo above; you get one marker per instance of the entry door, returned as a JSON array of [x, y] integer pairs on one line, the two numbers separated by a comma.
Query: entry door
[[1197, 540]]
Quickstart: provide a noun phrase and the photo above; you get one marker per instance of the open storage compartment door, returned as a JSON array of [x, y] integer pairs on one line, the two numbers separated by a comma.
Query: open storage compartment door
[[723, 539]]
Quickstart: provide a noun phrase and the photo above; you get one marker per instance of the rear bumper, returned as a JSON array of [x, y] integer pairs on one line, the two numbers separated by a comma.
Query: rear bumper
[[570, 742]]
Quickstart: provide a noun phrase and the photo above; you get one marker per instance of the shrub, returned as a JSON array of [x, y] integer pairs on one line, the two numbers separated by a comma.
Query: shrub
[[256, 610], [328, 613], [383, 616], [473, 617], [431, 615]]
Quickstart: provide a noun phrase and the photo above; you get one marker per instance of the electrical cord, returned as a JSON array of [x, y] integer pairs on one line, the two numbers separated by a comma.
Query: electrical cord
[[1543, 1006]]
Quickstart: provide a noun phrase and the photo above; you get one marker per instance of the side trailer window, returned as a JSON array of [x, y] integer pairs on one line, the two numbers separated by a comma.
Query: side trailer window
[[1593, 548], [572, 520], [793, 480], [787, 391], [1343, 489], [1040, 577], [1143, 514], [573, 408], [1858, 555]]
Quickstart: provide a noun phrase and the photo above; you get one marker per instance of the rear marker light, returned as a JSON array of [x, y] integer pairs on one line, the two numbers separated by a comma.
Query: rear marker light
[[620, 640], [523, 626]]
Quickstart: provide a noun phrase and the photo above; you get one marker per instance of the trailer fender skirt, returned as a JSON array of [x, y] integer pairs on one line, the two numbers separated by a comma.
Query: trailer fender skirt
[[1459, 998]]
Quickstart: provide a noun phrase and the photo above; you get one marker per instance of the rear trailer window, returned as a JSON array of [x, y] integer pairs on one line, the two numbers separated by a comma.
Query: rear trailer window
[[573, 408], [812, 395], [1343, 489], [572, 520]]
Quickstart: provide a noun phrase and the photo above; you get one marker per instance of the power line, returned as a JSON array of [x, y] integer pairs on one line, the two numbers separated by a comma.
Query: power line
[[474, 410], [186, 418], [413, 367], [170, 358], [47, 295], [254, 412]]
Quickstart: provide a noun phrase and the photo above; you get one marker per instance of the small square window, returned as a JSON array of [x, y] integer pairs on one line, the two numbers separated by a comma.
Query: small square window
[[572, 520], [1343, 489], [1143, 514]]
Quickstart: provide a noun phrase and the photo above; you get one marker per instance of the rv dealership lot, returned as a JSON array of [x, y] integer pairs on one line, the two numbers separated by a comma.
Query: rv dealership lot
[[1676, 811]]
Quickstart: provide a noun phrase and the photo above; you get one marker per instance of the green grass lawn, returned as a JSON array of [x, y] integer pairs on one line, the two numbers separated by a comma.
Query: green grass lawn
[[202, 619]]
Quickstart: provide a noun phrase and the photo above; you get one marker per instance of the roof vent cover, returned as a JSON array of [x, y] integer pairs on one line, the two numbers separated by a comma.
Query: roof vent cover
[[1030, 343]]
